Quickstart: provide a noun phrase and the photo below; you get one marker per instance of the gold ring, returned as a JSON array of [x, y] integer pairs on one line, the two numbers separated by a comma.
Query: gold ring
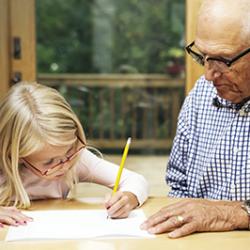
[[179, 218]]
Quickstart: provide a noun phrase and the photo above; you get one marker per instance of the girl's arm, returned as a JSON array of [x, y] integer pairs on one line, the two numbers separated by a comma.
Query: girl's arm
[[133, 188]]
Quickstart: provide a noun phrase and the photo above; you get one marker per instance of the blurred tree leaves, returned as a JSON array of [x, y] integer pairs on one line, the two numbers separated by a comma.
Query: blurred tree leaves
[[108, 36], [64, 35]]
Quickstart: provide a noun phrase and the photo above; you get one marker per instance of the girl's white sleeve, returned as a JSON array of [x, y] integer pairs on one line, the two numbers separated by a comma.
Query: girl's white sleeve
[[97, 170]]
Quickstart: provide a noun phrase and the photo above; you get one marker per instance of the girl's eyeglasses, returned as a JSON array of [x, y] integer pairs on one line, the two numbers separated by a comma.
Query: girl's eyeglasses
[[54, 169]]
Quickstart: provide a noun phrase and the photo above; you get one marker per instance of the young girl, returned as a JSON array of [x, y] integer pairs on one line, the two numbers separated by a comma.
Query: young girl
[[43, 155]]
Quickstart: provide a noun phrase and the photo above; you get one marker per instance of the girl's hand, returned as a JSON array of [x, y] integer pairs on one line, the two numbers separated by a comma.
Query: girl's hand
[[120, 204], [13, 217]]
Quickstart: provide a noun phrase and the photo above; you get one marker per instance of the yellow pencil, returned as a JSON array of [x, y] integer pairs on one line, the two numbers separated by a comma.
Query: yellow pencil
[[124, 156]]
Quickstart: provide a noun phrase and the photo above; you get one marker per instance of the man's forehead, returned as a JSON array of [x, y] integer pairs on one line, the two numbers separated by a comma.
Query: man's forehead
[[215, 48], [219, 32]]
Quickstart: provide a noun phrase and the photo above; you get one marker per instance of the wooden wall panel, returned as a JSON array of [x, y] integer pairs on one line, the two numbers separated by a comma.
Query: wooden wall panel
[[17, 20], [193, 70], [4, 47], [23, 26]]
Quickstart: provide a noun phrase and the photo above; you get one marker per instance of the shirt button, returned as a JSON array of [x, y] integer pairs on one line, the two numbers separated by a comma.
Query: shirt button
[[242, 112]]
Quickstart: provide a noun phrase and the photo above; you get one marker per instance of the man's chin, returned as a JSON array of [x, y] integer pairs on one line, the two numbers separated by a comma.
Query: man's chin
[[230, 97]]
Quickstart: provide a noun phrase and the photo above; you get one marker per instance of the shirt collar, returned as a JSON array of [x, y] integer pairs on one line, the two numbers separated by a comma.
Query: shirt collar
[[243, 106]]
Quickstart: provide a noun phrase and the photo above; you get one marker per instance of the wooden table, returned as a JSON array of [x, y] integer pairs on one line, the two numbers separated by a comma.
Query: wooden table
[[200, 241]]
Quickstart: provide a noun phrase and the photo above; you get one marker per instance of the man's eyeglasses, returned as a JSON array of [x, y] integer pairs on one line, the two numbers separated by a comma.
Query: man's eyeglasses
[[54, 169], [222, 63]]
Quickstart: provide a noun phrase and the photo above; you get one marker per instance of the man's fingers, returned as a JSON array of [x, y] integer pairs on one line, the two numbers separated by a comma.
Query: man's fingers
[[154, 220], [168, 225], [184, 230], [160, 217]]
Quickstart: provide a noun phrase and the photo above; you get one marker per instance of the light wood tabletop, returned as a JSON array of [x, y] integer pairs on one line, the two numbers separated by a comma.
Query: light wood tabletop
[[199, 241]]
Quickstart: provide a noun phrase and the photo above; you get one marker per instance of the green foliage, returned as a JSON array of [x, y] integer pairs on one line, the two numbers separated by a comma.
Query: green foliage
[[146, 33], [108, 36], [64, 35]]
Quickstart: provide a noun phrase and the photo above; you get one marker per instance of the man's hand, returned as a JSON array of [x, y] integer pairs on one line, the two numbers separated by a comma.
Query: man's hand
[[196, 215]]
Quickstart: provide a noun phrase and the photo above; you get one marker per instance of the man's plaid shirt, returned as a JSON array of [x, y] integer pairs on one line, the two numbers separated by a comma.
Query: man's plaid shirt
[[210, 157]]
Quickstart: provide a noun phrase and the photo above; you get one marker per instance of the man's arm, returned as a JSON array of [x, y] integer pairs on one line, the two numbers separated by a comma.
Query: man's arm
[[176, 169], [177, 166]]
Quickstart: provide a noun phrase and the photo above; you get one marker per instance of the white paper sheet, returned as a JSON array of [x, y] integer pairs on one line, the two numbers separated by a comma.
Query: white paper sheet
[[78, 224]]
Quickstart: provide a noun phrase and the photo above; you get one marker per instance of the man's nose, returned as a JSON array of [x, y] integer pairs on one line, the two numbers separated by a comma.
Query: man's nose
[[211, 71]]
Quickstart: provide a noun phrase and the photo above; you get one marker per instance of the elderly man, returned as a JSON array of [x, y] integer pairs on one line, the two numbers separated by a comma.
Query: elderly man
[[210, 158]]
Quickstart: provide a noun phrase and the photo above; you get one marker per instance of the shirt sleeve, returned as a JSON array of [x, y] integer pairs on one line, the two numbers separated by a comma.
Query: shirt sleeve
[[97, 170], [176, 174]]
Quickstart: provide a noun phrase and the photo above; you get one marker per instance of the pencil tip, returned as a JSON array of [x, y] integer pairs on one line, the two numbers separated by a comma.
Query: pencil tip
[[129, 140]]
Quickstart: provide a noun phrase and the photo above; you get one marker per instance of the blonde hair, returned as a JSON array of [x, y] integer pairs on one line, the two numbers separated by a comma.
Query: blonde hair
[[31, 116]]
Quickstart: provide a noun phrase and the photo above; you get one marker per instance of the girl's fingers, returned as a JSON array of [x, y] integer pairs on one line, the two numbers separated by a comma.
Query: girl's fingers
[[112, 210], [110, 200], [4, 219], [106, 200], [12, 216], [120, 204], [121, 208], [121, 212], [21, 218]]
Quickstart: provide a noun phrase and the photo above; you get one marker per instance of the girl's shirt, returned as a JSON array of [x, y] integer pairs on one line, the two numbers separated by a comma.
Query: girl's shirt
[[89, 168]]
